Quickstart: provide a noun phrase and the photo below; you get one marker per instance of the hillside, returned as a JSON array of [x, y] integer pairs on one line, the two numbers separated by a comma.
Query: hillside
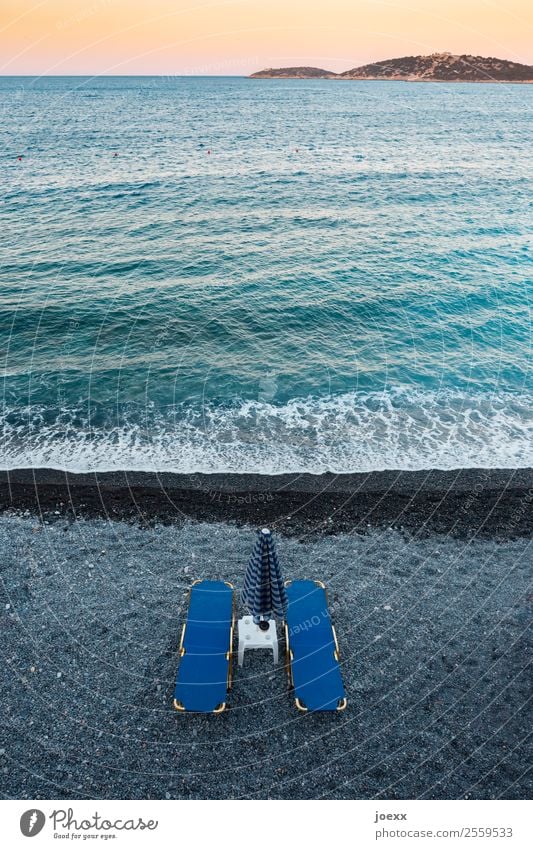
[[439, 67], [444, 67]]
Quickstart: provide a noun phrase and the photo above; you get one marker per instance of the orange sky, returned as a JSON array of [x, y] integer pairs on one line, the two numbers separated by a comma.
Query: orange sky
[[242, 36]]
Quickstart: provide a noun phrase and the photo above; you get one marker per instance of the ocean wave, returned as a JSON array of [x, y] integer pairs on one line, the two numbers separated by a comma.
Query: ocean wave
[[352, 432]]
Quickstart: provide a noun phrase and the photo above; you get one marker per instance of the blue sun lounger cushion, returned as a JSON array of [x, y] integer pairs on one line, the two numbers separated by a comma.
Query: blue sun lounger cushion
[[312, 649], [204, 673]]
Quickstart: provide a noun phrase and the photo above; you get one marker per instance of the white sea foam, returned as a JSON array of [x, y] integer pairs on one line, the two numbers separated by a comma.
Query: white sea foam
[[353, 432]]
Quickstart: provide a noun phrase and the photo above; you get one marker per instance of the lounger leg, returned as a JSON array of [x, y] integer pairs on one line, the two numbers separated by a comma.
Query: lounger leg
[[275, 651], [241, 652]]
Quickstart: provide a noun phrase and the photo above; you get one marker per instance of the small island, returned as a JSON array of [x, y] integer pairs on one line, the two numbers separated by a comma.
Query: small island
[[438, 67], [293, 74]]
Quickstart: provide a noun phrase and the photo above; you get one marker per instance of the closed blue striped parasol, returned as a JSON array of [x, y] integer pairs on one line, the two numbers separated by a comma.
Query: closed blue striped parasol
[[264, 593]]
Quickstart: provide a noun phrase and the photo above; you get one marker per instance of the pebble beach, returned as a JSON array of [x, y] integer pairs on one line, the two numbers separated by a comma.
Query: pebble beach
[[433, 630]]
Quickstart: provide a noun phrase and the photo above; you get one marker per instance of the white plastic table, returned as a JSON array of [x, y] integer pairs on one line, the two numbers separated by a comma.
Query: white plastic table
[[252, 637]]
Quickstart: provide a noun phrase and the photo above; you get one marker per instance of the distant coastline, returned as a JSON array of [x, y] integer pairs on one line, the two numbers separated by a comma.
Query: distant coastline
[[438, 67]]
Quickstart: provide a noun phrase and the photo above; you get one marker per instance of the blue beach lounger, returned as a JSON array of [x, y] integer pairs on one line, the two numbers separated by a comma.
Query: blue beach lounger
[[204, 673], [312, 649]]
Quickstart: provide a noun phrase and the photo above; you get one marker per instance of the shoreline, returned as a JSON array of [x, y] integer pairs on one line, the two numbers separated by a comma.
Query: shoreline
[[429, 582], [393, 80], [462, 503]]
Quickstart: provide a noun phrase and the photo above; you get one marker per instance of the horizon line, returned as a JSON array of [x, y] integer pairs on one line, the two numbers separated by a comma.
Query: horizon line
[[96, 75]]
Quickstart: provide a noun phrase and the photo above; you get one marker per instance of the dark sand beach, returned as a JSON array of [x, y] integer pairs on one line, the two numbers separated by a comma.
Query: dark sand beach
[[463, 502], [429, 579]]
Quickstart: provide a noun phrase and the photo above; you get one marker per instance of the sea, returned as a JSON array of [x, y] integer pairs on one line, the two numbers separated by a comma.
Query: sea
[[220, 274]]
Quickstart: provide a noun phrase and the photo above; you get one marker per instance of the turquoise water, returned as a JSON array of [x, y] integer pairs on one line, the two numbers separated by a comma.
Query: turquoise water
[[268, 276]]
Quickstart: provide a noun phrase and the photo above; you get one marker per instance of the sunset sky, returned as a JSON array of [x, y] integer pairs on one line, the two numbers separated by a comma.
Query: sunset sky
[[241, 36]]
